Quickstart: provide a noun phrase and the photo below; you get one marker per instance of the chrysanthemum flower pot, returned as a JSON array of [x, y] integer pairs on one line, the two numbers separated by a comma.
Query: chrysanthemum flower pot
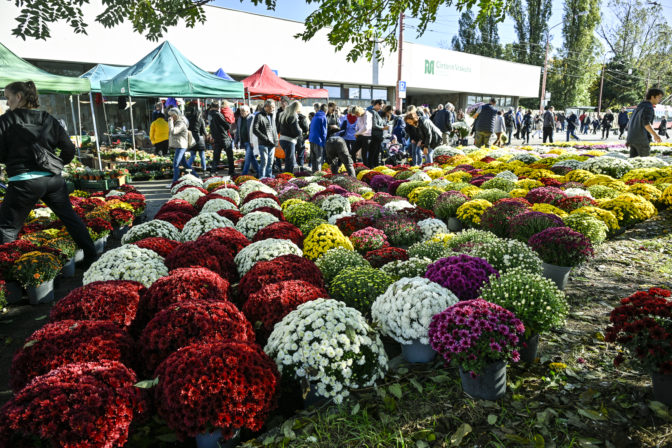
[[212, 440], [100, 246], [662, 387], [528, 349], [489, 384], [454, 224], [559, 274], [42, 293], [417, 352], [68, 270]]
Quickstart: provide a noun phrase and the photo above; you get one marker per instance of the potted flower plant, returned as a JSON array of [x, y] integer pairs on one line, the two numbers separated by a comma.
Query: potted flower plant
[[463, 275], [481, 338], [36, 271], [405, 310], [535, 300], [641, 325], [560, 249]]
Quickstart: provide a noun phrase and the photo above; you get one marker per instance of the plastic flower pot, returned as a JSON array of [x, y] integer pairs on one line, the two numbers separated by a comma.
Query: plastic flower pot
[[662, 387], [454, 224], [528, 349], [42, 293], [311, 398], [212, 440], [119, 232], [79, 255], [490, 384], [68, 270], [417, 352], [100, 246], [14, 292], [559, 274]]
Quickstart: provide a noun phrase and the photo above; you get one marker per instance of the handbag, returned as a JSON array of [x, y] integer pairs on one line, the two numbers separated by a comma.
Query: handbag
[[190, 140], [279, 152]]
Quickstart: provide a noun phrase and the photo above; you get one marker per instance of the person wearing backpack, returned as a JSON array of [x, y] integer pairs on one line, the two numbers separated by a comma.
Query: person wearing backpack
[[509, 124], [28, 140]]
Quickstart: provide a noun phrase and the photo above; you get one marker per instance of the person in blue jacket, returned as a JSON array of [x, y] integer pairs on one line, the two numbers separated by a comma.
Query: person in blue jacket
[[318, 138], [349, 126]]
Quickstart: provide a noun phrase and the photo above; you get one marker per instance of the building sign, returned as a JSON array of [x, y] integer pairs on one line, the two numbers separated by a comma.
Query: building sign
[[402, 89], [438, 68]]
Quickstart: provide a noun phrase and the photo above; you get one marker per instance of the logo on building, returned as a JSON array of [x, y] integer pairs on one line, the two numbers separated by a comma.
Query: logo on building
[[438, 68], [429, 67]]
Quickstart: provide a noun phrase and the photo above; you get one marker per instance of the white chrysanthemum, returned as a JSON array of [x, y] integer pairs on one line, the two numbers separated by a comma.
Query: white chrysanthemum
[[258, 203], [186, 180], [398, 205], [648, 162], [150, 229], [420, 176], [214, 179], [507, 175], [191, 195], [335, 204], [264, 250], [253, 222], [431, 226], [405, 310], [570, 192], [128, 262], [333, 219], [205, 222], [449, 151], [254, 185], [329, 345], [312, 189], [215, 205], [114, 193], [229, 193]]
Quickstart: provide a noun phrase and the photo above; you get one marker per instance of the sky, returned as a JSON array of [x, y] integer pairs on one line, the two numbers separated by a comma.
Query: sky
[[443, 29]]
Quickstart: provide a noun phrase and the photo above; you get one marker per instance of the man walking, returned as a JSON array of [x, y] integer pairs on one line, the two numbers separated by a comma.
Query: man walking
[[509, 121], [548, 124], [318, 137], [378, 128], [640, 130], [519, 121], [622, 122], [484, 124], [572, 126], [263, 127], [443, 119]]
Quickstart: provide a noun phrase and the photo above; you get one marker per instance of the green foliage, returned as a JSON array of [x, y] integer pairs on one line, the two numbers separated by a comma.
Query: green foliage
[[432, 250], [338, 259], [359, 286]]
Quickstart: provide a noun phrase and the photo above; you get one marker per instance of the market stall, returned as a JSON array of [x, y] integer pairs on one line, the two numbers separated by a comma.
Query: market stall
[[167, 72], [265, 84]]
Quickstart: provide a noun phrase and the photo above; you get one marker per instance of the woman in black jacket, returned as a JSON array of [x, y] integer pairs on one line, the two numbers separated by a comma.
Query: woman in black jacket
[[24, 133], [428, 136], [290, 131], [197, 129]]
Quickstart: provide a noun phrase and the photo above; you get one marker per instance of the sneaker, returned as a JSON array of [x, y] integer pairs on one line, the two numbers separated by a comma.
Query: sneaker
[[169, 186]]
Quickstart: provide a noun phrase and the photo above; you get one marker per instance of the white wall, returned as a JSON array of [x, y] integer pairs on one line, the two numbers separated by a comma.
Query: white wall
[[236, 41], [462, 72]]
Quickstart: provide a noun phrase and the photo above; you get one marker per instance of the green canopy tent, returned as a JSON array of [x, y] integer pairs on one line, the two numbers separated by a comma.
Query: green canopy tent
[[13, 68], [101, 72], [166, 72]]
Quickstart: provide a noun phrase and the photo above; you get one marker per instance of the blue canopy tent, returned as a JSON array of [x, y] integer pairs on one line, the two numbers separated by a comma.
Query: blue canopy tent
[[100, 72], [222, 74]]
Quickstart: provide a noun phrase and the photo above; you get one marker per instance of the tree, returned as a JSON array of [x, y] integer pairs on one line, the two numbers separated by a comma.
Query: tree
[[618, 90], [577, 64], [355, 25], [477, 37], [531, 25]]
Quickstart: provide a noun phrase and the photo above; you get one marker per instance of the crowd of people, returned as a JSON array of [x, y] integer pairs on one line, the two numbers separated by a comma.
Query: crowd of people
[[285, 137]]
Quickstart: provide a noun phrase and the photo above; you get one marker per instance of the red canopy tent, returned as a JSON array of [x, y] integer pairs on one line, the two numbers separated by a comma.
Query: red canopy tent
[[264, 84]]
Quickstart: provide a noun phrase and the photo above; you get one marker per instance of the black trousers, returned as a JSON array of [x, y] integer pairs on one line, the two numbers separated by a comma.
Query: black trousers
[[362, 142], [337, 152], [161, 148], [217, 156], [23, 195], [548, 133], [374, 152]]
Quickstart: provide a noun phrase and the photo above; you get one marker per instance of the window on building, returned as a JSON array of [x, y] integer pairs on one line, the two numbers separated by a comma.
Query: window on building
[[366, 93], [380, 94], [353, 92], [334, 90]]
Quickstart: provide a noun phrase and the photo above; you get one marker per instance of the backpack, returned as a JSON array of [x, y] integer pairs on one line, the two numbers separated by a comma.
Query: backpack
[[45, 159], [508, 120]]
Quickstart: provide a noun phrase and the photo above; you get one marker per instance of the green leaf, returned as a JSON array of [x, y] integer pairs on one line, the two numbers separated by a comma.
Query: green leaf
[[539, 441], [171, 437], [355, 409], [147, 384], [395, 389], [492, 419], [402, 370], [518, 439], [660, 410], [269, 440], [30, 343], [593, 415], [440, 378], [416, 384], [461, 433], [41, 317], [287, 429]]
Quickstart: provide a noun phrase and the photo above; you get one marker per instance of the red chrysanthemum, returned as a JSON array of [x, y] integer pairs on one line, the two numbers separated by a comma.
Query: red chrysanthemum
[[181, 284], [380, 257], [257, 195], [280, 230], [270, 304], [113, 300], [233, 215], [160, 245], [178, 205], [178, 219], [203, 199], [60, 343], [85, 405], [234, 240], [227, 385], [286, 267], [207, 253], [187, 322]]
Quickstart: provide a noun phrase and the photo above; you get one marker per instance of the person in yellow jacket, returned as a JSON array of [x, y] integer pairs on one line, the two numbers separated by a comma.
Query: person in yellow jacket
[[158, 134]]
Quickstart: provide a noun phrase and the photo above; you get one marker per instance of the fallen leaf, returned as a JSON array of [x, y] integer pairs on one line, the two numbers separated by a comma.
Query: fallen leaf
[[492, 419], [593, 415], [461, 433], [395, 389]]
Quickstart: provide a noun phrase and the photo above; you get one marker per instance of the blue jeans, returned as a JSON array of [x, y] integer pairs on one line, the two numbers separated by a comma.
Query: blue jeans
[[290, 155], [572, 133], [250, 160], [316, 156], [416, 154], [266, 156], [429, 157], [181, 160], [202, 154], [509, 131]]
